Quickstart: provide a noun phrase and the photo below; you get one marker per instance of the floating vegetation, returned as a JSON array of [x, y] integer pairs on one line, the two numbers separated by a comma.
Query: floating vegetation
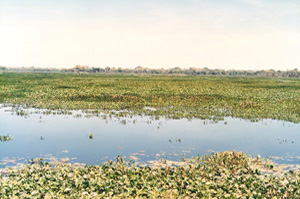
[[91, 136], [220, 175], [175, 97], [5, 138]]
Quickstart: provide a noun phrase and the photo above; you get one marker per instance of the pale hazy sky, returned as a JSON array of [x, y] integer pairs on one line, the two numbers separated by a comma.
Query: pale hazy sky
[[227, 34]]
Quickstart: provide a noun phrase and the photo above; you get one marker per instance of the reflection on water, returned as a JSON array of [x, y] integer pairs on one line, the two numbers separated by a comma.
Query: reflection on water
[[94, 140]]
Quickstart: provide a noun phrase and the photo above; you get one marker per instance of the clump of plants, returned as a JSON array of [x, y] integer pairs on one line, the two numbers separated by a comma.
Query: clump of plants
[[5, 138], [220, 175], [91, 135]]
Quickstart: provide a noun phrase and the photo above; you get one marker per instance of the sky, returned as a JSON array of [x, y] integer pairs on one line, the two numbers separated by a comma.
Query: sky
[[223, 34]]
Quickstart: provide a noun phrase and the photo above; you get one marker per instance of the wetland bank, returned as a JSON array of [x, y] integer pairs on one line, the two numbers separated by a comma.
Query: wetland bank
[[151, 120]]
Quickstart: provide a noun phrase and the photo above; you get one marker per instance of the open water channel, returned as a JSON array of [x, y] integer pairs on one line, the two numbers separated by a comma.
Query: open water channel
[[94, 140]]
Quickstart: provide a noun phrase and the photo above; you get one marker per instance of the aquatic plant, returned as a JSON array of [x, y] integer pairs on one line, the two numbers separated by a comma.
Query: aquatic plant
[[5, 138], [221, 175], [91, 136], [175, 97]]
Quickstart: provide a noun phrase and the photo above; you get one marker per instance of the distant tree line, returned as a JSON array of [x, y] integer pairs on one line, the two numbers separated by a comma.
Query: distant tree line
[[295, 73]]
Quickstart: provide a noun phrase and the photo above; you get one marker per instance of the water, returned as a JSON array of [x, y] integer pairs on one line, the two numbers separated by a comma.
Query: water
[[141, 138]]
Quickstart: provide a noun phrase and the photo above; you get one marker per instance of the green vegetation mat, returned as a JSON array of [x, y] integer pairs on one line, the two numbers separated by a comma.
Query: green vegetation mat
[[176, 97], [221, 175]]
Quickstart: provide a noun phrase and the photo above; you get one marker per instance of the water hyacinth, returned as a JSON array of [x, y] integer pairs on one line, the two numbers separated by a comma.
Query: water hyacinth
[[175, 97], [91, 135], [5, 138], [221, 175]]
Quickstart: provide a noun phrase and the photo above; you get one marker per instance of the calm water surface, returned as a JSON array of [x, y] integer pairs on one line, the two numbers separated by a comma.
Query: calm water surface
[[141, 138]]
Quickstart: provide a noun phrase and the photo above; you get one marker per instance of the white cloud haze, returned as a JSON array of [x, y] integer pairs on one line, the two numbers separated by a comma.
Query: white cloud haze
[[239, 34]]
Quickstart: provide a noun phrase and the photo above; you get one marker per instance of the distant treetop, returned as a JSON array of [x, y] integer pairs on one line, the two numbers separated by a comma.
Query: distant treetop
[[295, 73]]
